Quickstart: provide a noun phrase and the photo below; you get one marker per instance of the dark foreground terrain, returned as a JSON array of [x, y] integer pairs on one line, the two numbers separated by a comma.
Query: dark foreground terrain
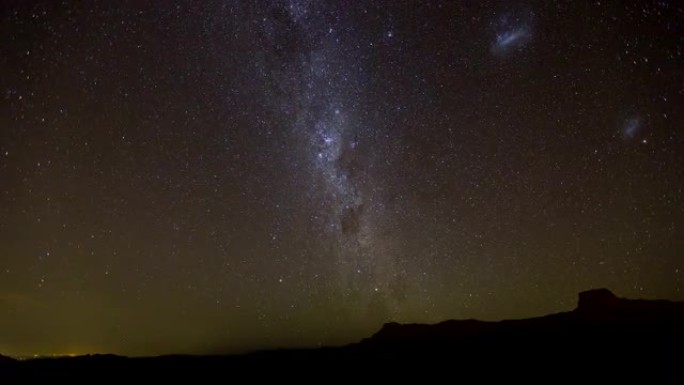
[[606, 339]]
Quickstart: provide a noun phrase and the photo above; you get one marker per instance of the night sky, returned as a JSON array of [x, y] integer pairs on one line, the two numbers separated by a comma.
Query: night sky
[[222, 176]]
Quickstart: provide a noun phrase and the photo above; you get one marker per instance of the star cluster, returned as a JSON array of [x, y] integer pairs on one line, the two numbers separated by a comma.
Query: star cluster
[[222, 176]]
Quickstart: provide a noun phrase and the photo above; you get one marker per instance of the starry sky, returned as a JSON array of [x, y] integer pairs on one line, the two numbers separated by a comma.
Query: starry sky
[[222, 176]]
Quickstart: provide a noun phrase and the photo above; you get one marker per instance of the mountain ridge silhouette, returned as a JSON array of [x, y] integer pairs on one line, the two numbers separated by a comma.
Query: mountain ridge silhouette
[[595, 307], [605, 339]]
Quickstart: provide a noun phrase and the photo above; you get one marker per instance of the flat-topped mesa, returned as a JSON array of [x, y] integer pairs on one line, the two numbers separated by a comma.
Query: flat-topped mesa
[[597, 300], [603, 306]]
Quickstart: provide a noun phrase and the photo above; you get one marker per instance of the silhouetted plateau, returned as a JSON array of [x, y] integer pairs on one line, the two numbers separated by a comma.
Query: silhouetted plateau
[[606, 339]]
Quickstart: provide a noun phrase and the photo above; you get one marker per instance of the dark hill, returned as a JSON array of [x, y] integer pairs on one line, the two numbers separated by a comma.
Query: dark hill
[[597, 310], [606, 339]]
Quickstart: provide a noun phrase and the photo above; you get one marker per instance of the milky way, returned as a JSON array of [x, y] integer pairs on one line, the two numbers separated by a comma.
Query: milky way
[[331, 76]]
